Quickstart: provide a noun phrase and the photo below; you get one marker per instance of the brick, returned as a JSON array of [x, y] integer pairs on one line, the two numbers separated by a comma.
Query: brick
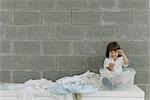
[[50, 30], [95, 61], [140, 47], [85, 17], [4, 47], [132, 4], [124, 4], [41, 4], [101, 31], [116, 17], [136, 61], [14, 32], [94, 4], [56, 47], [26, 17], [149, 61], [108, 4], [52, 17], [35, 32], [4, 76], [139, 4], [140, 17], [56, 74], [71, 4], [70, 32], [132, 32], [84, 47], [28, 62], [12, 4], [22, 76], [26, 47], [2, 33], [125, 46], [71, 62], [149, 30], [148, 3], [5, 17], [13, 62], [41, 62], [141, 77], [41, 32]]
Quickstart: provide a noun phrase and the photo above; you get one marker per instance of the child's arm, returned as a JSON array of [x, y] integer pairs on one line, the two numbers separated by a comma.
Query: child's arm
[[125, 59]]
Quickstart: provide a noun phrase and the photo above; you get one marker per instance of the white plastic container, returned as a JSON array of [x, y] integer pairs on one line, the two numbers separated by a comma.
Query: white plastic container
[[119, 80]]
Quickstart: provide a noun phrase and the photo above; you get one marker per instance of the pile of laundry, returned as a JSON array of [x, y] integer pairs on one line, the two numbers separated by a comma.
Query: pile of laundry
[[87, 82]]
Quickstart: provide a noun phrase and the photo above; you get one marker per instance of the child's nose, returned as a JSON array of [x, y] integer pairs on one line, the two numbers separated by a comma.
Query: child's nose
[[114, 53]]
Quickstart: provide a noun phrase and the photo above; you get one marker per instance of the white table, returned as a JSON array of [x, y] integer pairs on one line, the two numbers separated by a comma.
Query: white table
[[104, 94], [14, 94], [118, 94]]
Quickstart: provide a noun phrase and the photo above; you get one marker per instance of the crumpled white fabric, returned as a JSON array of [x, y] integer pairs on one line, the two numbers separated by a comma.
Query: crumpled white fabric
[[84, 83], [32, 88]]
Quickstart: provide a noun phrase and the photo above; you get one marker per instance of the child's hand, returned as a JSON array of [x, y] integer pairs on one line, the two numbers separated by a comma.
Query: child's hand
[[120, 52], [111, 66]]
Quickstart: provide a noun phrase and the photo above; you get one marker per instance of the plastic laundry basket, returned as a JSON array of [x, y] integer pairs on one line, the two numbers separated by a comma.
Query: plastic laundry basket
[[118, 80]]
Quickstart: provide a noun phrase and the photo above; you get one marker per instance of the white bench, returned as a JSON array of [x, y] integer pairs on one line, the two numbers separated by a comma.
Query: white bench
[[13, 95], [119, 94]]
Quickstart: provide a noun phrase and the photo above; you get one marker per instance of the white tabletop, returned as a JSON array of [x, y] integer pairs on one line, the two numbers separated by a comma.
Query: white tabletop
[[134, 92]]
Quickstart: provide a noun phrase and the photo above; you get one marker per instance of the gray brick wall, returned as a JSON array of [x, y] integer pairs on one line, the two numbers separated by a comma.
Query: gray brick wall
[[56, 38]]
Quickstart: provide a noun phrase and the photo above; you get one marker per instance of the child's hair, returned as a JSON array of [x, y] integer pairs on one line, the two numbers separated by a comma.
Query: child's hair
[[112, 46]]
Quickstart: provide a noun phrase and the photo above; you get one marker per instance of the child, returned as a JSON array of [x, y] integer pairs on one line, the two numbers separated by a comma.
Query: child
[[114, 61]]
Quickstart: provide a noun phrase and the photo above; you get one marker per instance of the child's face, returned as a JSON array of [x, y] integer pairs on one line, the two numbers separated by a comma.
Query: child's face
[[113, 54]]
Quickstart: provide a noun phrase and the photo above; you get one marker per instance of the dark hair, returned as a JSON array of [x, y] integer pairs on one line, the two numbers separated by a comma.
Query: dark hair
[[112, 46]]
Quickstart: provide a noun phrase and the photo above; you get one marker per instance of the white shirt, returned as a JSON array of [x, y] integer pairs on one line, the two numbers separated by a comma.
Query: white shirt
[[119, 63]]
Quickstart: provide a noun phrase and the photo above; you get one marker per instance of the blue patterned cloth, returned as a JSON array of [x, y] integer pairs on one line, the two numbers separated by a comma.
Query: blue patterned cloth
[[84, 83]]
